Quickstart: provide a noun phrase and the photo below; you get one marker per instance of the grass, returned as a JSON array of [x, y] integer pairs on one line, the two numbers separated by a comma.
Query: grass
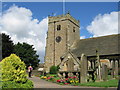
[[110, 83]]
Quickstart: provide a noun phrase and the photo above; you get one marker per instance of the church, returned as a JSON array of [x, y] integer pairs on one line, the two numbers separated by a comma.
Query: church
[[64, 48]]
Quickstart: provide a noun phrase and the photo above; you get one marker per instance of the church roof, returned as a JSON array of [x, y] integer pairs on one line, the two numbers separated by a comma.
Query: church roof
[[105, 45]]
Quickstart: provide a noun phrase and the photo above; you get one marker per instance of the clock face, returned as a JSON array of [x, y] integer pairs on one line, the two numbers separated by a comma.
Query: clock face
[[58, 39]]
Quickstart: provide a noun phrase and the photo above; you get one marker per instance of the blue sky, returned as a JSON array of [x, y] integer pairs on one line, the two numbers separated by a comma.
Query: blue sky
[[83, 11], [86, 12]]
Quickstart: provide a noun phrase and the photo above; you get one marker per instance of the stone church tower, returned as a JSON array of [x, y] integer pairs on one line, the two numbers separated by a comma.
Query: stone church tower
[[63, 30]]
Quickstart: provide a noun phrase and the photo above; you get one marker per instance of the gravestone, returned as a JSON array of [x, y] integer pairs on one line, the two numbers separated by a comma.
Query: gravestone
[[104, 72], [93, 65], [83, 73], [116, 68], [113, 68], [98, 67], [89, 65]]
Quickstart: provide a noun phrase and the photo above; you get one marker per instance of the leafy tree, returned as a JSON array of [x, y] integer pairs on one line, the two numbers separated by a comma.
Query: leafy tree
[[7, 45], [13, 69], [27, 53]]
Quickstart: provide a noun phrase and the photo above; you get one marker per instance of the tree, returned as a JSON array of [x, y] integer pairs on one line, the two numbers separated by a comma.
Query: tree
[[7, 45], [27, 54]]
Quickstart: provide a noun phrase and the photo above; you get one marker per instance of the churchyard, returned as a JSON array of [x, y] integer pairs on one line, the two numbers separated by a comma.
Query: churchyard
[[99, 76]]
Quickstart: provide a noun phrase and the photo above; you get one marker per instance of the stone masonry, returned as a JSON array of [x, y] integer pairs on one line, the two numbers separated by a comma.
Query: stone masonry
[[63, 30]]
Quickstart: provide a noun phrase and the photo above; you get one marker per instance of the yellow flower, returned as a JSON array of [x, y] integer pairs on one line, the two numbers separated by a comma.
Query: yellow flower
[[77, 81], [44, 77], [71, 81]]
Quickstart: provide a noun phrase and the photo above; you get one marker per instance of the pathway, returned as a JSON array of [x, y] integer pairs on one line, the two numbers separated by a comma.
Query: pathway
[[39, 83]]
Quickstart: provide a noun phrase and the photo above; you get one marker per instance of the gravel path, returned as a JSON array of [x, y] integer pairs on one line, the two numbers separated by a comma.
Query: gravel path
[[39, 83]]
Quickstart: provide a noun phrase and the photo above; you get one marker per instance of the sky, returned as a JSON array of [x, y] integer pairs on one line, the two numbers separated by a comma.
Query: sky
[[28, 21]]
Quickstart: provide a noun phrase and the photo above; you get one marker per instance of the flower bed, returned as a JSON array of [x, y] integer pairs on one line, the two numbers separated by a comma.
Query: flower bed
[[73, 80]]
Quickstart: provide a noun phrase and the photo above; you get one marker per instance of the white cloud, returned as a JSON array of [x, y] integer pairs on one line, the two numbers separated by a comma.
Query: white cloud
[[82, 37], [102, 25], [22, 27], [81, 27]]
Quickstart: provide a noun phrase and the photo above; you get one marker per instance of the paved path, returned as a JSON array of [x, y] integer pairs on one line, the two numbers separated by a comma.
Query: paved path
[[39, 83]]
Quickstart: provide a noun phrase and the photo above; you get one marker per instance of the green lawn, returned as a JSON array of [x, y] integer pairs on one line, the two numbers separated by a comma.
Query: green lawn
[[110, 83]]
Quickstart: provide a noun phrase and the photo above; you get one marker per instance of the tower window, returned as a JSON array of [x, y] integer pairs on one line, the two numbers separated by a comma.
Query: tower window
[[73, 29], [58, 27]]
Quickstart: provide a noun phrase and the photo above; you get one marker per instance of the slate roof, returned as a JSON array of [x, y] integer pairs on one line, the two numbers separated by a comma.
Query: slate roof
[[105, 45]]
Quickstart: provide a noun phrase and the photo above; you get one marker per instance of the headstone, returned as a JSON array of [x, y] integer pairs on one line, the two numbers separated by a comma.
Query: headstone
[[113, 68], [116, 68], [83, 73], [93, 64], [104, 72], [98, 67], [89, 65]]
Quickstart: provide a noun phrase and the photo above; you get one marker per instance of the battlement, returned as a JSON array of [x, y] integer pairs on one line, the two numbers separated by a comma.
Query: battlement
[[63, 17]]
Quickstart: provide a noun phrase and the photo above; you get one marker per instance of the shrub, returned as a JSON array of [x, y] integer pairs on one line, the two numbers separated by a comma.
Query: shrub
[[13, 69], [54, 69], [12, 84]]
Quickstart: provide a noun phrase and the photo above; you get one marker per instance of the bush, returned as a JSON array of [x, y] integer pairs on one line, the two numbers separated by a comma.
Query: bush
[[12, 84], [54, 69], [13, 69]]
